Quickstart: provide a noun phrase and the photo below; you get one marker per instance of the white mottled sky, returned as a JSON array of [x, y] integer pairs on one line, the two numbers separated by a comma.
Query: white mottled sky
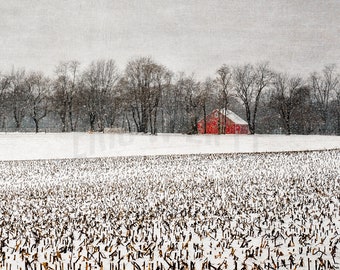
[[296, 36]]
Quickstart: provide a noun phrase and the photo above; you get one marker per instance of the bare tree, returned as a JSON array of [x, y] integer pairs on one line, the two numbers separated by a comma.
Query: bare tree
[[190, 91], [162, 83], [138, 80], [249, 83], [124, 100], [60, 96], [98, 93], [337, 104], [145, 81], [72, 101], [323, 86], [284, 98], [305, 116], [65, 94], [18, 96], [205, 98], [38, 89], [172, 107], [4, 87], [223, 83]]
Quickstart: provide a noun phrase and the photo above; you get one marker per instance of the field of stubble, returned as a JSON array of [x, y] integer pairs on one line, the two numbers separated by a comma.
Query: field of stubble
[[218, 211]]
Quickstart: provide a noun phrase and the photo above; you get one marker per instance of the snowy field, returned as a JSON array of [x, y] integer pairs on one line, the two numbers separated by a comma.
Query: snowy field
[[215, 211], [19, 146], [162, 202]]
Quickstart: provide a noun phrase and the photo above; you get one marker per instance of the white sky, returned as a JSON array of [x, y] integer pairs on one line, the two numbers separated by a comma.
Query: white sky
[[297, 36]]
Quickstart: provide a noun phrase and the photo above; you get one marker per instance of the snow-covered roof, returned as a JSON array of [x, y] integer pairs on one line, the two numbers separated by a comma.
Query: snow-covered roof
[[233, 117]]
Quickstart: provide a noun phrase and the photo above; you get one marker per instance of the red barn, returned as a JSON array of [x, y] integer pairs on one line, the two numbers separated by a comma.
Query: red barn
[[223, 122]]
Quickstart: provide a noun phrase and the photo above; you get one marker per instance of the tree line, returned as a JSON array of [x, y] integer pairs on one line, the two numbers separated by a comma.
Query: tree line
[[147, 97]]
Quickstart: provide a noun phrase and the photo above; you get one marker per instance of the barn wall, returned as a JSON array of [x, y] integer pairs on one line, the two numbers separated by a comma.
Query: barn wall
[[244, 129], [212, 125]]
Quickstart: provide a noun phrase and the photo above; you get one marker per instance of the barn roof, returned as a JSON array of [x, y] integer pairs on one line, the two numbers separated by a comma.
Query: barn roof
[[233, 117]]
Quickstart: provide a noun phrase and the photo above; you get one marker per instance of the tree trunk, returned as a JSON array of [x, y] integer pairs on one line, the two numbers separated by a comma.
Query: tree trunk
[[253, 128], [17, 125], [155, 122], [135, 120], [112, 121], [70, 116], [172, 122], [36, 122], [75, 125], [63, 121], [100, 124], [288, 124], [325, 120], [92, 121], [194, 127], [144, 124], [17, 120], [163, 121], [3, 122], [129, 125], [338, 123], [64, 114], [224, 116], [205, 118], [150, 116], [250, 123]]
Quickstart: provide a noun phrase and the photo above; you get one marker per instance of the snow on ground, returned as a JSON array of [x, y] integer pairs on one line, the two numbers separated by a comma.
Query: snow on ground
[[217, 211], [26, 146]]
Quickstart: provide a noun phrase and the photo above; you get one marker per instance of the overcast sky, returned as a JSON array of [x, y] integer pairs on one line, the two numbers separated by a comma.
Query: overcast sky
[[296, 36]]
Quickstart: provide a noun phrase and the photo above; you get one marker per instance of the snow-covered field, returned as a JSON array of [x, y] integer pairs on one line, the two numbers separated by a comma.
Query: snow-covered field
[[137, 210], [19, 146], [216, 211]]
